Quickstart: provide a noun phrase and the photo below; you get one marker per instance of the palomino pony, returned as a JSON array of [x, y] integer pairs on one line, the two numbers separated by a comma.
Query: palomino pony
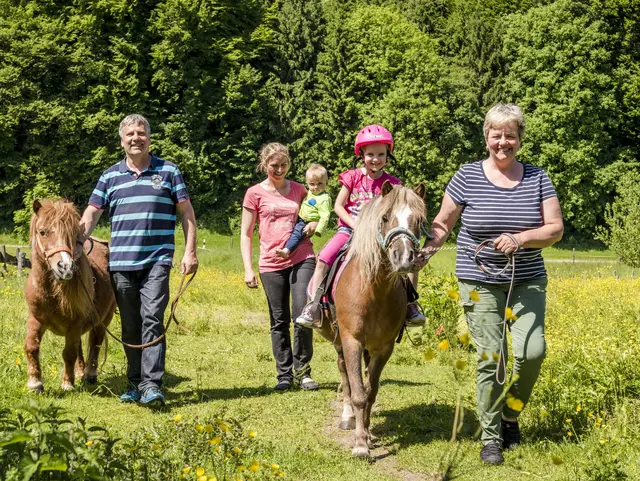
[[371, 299], [67, 292]]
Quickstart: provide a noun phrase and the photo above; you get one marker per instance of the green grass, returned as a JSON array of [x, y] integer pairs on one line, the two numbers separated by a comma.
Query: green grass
[[225, 363]]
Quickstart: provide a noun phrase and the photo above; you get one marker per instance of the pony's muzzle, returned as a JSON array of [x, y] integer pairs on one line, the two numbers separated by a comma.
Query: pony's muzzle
[[63, 269], [402, 256]]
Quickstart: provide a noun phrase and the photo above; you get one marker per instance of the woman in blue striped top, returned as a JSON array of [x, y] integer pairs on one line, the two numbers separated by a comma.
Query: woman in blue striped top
[[514, 205]]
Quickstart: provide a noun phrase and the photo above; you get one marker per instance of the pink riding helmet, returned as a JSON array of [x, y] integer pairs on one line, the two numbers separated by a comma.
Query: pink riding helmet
[[373, 134]]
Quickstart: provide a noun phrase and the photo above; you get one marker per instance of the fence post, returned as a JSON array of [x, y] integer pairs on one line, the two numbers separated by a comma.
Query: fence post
[[3, 252], [231, 243], [573, 256], [19, 261]]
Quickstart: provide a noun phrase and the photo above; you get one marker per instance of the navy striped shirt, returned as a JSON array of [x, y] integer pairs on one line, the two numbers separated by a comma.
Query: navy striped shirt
[[488, 211], [142, 211]]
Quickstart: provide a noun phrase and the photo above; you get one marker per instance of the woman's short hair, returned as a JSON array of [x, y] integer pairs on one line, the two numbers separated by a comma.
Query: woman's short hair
[[502, 114], [270, 150], [318, 171], [134, 119]]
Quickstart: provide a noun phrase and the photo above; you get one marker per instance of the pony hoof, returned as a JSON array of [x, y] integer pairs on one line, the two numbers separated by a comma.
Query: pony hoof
[[347, 424], [361, 452], [35, 386], [67, 386], [90, 380]]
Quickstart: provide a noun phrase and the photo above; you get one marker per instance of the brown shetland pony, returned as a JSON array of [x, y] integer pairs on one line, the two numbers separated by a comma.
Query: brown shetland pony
[[371, 299], [62, 287]]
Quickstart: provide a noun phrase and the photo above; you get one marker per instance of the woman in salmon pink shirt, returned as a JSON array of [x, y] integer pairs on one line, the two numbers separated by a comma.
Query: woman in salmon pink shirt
[[275, 203]]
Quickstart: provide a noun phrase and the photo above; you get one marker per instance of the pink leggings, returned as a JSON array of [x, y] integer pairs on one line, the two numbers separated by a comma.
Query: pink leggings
[[330, 250]]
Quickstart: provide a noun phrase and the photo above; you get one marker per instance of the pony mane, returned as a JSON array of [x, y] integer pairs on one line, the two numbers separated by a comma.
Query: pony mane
[[364, 244], [59, 214]]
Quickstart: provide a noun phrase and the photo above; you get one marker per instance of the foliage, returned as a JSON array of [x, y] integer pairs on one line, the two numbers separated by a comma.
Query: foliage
[[41, 445], [623, 220]]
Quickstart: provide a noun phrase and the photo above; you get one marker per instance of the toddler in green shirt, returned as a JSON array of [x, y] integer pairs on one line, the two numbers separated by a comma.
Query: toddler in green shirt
[[316, 207]]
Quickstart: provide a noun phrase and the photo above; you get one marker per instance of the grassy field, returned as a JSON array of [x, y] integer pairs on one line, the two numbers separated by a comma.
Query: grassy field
[[582, 423]]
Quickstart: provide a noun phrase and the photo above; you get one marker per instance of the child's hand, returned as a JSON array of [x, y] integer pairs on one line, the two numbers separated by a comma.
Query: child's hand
[[310, 229]]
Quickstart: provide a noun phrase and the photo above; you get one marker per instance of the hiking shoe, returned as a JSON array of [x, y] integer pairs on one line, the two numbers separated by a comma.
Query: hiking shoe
[[131, 396], [283, 385], [510, 434], [308, 384], [311, 315], [153, 397], [414, 318], [491, 453]]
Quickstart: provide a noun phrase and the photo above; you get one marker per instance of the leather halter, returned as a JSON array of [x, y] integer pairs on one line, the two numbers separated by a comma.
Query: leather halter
[[396, 233], [55, 250]]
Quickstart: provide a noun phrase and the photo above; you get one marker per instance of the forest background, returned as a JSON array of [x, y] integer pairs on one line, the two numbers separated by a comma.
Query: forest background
[[218, 78]]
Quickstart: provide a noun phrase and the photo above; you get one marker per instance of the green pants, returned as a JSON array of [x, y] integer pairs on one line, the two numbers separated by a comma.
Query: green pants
[[485, 318]]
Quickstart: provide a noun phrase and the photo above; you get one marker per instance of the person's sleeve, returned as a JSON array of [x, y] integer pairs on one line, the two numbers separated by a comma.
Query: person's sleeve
[[324, 211], [179, 191], [546, 187], [346, 179], [456, 188], [250, 200], [99, 197]]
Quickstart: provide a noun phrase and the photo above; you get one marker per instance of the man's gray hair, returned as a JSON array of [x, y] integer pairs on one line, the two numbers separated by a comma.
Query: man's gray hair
[[134, 119], [501, 114]]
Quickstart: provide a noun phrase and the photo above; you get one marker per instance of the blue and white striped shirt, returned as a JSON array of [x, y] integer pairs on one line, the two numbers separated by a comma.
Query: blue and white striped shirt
[[142, 211], [488, 211]]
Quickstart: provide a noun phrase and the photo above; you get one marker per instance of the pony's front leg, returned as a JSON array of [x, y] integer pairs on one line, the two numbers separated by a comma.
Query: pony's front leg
[[78, 369], [353, 355], [347, 420], [69, 356], [96, 338], [375, 366], [32, 341]]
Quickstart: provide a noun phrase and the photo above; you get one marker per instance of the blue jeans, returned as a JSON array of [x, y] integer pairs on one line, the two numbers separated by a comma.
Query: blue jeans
[[297, 235], [142, 298]]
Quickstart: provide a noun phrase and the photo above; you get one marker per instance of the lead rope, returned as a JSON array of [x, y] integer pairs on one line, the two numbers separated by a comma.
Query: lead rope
[[511, 262]]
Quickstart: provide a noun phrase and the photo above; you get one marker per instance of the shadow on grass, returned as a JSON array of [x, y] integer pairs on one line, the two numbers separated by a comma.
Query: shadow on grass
[[422, 423]]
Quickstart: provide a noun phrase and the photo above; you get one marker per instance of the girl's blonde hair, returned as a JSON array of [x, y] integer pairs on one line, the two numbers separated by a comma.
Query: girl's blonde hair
[[502, 114], [270, 150]]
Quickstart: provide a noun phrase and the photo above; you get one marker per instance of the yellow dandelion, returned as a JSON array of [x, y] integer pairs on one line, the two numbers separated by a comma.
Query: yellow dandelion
[[510, 315], [280, 474], [202, 478], [461, 364], [429, 354], [199, 428], [240, 468], [255, 466], [217, 450], [464, 338], [208, 428], [199, 471], [224, 428], [212, 478], [89, 443], [177, 418], [568, 420], [603, 441], [453, 294], [216, 440], [484, 356], [578, 408], [443, 345], [474, 296], [147, 436], [275, 466], [555, 459], [18, 361], [252, 434], [186, 469], [514, 403], [569, 433], [237, 450]]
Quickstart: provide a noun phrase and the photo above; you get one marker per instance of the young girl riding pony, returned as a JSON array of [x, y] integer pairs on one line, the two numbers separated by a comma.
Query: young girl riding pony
[[374, 145]]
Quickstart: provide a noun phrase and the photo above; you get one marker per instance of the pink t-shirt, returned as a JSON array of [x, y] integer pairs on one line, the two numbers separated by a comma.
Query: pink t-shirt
[[363, 189], [277, 215]]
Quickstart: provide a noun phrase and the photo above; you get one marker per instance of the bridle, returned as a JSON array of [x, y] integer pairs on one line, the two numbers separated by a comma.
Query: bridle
[[62, 248], [399, 233]]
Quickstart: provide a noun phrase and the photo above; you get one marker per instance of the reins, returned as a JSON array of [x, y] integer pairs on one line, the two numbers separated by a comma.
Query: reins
[[172, 316]]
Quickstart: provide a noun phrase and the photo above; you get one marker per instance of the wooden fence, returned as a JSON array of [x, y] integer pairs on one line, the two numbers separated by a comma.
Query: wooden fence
[[20, 260]]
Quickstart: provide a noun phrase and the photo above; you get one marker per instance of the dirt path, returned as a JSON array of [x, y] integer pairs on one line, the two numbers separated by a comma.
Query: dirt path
[[382, 458]]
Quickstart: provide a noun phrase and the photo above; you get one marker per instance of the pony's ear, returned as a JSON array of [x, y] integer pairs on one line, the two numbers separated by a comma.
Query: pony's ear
[[386, 187], [36, 206], [421, 190]]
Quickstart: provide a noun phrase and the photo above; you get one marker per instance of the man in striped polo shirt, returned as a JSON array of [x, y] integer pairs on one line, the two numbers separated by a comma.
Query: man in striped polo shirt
[[143, 194]]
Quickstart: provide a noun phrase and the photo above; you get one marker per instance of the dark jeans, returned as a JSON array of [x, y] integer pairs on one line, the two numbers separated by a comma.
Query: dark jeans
[[297, 235], [279, 286], [142, 298]]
